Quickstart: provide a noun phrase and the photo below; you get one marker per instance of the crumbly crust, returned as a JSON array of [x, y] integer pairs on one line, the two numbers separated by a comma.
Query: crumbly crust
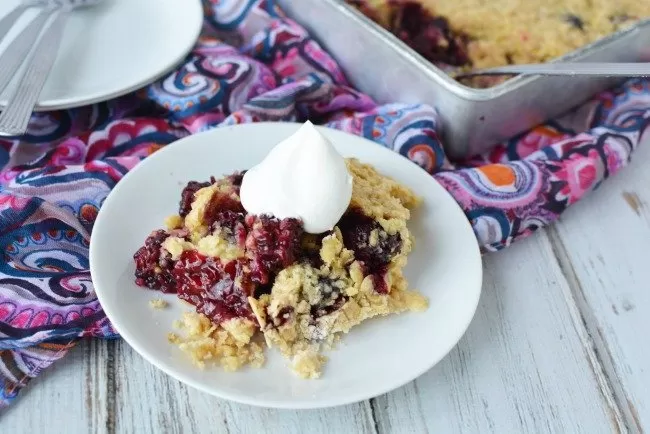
[[176, 246], [174, 222], [229, 345], [214, 245], [381, 197], [310, 304], [518, 31], [158, 303], [195, 221], [217, 246], [286, 316]]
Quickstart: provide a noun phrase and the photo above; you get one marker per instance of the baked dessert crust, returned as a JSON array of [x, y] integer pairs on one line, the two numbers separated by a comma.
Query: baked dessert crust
[[465, 34], [338, 280]]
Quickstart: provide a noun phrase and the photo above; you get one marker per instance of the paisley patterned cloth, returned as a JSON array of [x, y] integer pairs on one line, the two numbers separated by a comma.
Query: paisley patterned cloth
[[253, 64]]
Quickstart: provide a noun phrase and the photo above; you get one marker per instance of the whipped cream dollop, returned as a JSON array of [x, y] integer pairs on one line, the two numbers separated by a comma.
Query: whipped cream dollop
[[302, 177]]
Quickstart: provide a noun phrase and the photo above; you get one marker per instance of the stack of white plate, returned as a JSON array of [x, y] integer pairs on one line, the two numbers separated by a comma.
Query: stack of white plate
[[113, 48]]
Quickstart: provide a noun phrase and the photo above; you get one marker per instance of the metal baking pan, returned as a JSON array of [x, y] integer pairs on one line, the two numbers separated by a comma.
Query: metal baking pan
[[379, 64]]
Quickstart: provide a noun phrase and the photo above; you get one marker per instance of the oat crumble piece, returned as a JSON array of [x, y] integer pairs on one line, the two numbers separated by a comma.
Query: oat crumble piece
[[174, 222], [229, 345], [158, 303], [308, 364]]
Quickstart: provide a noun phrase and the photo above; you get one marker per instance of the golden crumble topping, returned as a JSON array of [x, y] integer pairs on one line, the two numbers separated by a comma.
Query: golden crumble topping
[[217, 246], [308, 364], [340, 296], [308, 307], [337, 280], [176, 246], [517, 31], [158, 303], [381, 197], [195, 221], [174, 222], [230, 344], [502, 32], [377, 195], [213, 245]]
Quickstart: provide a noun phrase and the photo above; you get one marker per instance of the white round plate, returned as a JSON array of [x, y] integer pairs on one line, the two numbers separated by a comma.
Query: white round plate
[[113, 48], [374, 358]]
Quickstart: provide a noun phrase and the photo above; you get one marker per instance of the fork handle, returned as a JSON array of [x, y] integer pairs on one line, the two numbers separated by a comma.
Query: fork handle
[[19, 48], [15, 117]]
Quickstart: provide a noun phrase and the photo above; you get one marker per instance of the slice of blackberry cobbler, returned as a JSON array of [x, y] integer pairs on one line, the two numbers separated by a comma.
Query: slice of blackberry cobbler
[[245, 273]]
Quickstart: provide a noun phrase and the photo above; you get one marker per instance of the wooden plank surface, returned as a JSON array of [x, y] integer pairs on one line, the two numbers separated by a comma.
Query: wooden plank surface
[[165, 405], [524, 366], [105, 387], [71, 397], [603, 243]]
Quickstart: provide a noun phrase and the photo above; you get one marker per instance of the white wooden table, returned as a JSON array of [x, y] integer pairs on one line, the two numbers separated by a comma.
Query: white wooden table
[[560, 343]]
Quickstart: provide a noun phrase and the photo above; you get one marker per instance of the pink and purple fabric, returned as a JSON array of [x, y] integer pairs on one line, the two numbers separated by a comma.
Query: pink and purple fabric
[[253, 64]]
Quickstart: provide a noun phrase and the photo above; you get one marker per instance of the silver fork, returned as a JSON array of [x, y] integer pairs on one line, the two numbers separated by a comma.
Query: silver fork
[[15, 117], [14, 55]]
